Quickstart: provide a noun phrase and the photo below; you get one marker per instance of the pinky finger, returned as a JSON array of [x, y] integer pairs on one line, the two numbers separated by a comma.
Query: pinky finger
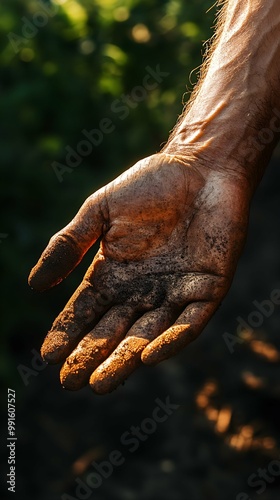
[[185, 329]]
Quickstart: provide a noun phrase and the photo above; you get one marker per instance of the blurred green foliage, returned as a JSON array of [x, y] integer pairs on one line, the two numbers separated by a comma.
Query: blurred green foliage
[[63, 64]]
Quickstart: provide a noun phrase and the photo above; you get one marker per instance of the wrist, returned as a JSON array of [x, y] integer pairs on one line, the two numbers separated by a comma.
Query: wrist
[[240, 143], [234, 113]]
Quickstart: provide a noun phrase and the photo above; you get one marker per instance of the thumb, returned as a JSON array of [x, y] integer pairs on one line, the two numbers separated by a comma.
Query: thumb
[[67, 247]]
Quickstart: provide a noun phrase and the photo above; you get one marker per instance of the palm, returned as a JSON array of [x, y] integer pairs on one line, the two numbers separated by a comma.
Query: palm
[[171, 237]]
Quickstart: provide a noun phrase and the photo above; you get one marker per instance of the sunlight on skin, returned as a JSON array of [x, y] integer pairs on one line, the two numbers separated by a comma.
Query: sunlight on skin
[[173, 226]]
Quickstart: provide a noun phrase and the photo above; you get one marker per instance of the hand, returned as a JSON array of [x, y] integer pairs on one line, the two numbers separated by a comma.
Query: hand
[[172, 231]]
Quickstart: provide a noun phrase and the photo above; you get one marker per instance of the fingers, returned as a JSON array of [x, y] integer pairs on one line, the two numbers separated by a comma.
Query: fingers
[[96, 346], [185, 329], [66, 248], [80, 314], [127, 356]]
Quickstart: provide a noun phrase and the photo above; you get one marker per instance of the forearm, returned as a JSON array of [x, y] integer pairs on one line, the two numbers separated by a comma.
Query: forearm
[[235, 108]]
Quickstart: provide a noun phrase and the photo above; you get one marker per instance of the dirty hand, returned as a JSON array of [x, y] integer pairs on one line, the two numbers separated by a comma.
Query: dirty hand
[[171, 232]]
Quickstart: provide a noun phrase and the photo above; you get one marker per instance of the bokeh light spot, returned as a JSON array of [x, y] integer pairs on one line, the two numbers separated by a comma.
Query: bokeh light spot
[[87, 47], [140, 33], [121, 14], [26, 54]]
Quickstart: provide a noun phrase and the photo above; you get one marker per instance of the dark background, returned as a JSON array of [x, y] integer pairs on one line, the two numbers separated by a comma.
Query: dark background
[[57, 80]]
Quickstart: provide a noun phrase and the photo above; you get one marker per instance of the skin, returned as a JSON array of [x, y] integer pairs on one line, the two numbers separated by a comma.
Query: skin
[[173, 226]]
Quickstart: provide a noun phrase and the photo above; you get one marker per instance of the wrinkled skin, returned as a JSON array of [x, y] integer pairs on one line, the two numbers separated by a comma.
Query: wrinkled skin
[[172, 231]]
